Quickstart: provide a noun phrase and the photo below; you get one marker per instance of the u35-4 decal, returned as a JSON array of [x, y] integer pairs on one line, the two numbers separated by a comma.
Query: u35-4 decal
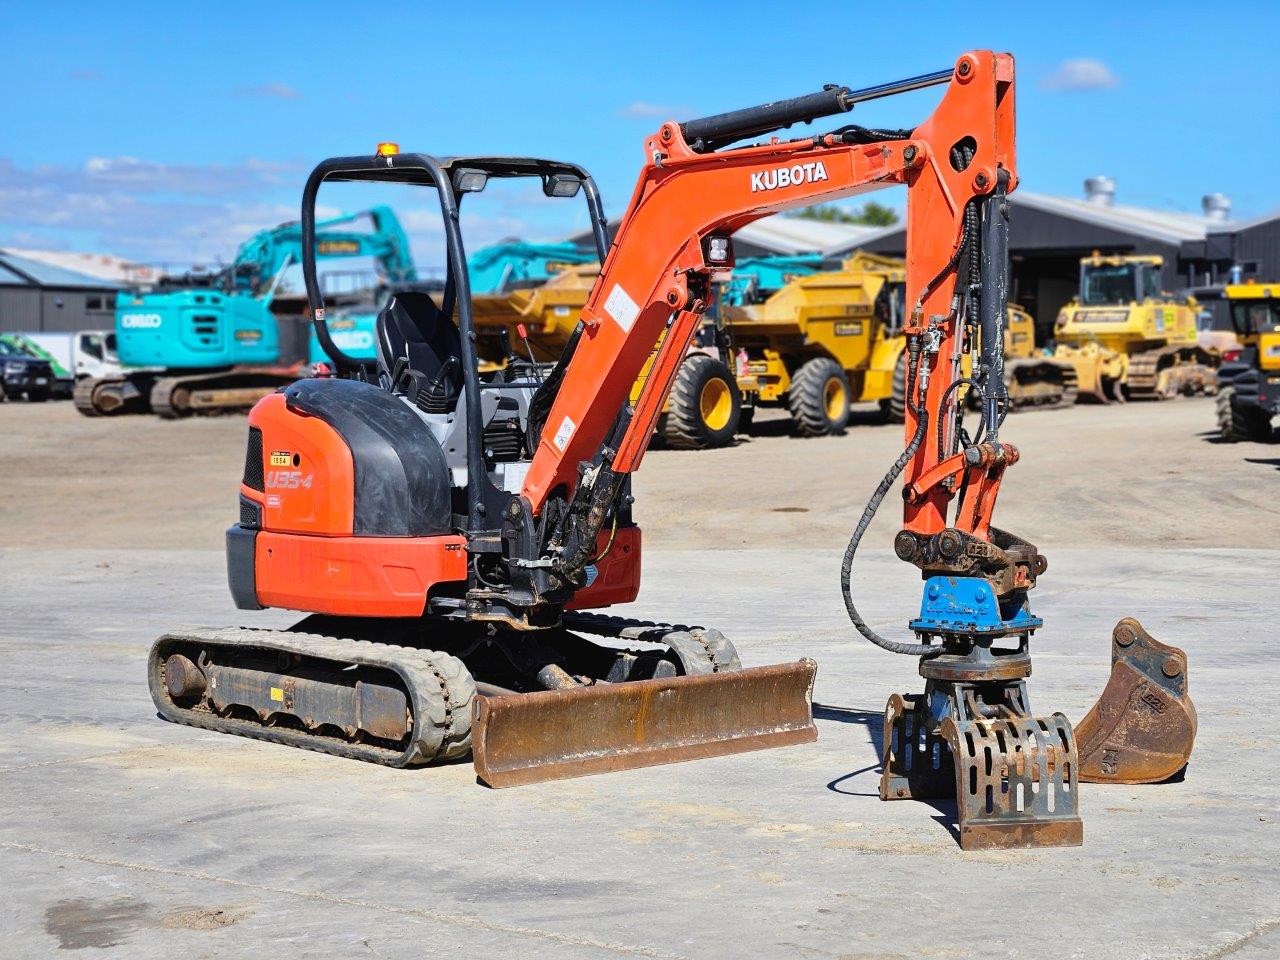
[[288, 480]]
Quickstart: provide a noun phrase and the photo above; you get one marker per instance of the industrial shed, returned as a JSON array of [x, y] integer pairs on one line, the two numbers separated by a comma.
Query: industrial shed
[[36, 296], [1048, 235]]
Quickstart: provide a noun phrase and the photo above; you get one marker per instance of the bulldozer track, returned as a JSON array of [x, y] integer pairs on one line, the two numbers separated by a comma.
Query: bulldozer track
[[1166, 372], [1049, 373], [439, 688]]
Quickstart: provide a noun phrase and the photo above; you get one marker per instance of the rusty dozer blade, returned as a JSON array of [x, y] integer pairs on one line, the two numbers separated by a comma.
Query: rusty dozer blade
[[1143, 726], [555, 734]]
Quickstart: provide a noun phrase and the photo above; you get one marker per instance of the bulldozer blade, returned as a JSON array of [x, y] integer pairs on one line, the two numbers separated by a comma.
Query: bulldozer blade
[[556, 734], [1143, 726]]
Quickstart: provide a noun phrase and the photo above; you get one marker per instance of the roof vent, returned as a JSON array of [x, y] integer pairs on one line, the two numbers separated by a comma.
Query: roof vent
[[1100, 190], [1216, 207]]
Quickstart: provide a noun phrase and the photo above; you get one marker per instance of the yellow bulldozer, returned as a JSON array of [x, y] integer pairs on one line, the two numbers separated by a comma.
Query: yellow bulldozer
[[829, 339], [708, 404], [1129, 340]]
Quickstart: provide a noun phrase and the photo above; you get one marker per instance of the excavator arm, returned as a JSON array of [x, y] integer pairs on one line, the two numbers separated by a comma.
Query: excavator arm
[[264, 256], [699, 195]]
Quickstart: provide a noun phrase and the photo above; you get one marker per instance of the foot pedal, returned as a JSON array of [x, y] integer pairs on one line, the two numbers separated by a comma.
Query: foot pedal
[[1143, 726], [1014, 777]]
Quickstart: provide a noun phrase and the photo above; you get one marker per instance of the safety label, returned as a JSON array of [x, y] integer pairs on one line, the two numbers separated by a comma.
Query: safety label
[[621, 307], [561, 439]]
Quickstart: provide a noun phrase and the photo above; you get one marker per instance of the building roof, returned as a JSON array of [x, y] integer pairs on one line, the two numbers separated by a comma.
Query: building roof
[[790, 235], [22, 269], [1168, 226]]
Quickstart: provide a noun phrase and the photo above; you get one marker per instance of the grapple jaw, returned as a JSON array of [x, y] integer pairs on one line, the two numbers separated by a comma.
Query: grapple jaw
[[556, 734], [1013, 775], [1143, 726]]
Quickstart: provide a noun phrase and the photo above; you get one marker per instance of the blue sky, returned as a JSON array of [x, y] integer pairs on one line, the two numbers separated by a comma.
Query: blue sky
[[171, 131]]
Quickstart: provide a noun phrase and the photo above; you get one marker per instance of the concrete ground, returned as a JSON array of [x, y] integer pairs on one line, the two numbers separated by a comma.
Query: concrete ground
[[123, 836]]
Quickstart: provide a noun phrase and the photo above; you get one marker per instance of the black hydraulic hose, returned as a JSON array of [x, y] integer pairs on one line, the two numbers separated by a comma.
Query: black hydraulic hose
[[914, 359], [886, 484]]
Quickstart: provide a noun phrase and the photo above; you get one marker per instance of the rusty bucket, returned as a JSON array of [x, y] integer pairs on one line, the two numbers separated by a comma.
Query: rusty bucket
[[1143, 726]]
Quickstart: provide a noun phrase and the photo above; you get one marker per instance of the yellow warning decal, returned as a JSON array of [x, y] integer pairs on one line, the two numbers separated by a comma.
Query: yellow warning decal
[[277, 694], [281, 458]]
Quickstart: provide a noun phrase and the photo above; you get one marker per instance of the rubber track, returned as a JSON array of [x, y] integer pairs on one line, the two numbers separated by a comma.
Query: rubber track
[[624, 628], [440, 689]]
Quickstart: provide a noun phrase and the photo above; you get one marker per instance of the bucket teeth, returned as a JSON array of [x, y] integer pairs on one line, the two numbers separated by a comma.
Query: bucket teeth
[[1143, 726]]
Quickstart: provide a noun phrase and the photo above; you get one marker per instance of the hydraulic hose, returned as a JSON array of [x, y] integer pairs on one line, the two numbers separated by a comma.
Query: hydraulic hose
[[886, 484], [914, 359]]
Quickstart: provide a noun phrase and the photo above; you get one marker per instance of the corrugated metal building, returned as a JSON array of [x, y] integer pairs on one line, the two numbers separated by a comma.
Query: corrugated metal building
[[1048, 235], [39, 297]]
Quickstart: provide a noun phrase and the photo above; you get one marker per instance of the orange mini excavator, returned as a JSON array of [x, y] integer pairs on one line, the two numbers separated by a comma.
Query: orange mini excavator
[[448, 529]]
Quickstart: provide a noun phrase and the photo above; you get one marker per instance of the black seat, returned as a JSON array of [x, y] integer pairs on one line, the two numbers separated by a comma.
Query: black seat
[[412, 327]]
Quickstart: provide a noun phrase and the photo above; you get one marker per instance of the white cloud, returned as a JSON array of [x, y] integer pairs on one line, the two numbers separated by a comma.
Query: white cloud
[[1083, 74], [275, 91], [140, 209], [640, 108]]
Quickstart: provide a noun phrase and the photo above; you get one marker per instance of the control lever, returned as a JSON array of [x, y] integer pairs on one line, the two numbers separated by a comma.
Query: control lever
[[434, 397], [524, 335], [508, 352]]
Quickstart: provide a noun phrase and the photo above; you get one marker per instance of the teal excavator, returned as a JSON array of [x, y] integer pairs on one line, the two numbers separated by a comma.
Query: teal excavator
[[209, 343]]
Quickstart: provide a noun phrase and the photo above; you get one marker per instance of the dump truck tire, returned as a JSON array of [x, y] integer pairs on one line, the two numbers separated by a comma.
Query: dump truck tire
[[819, 398], [704, 406], [894, 407], [1238, 423]]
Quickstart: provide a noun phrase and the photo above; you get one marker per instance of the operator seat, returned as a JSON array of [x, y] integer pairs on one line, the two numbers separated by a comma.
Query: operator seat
[[411, 326]]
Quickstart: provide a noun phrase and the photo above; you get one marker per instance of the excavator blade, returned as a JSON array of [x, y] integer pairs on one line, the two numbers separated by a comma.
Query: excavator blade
[[556, 734], [1143, 726]]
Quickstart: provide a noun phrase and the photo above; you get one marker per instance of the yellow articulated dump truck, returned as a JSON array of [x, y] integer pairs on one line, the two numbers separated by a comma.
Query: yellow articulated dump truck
[[829, 339], [708, 404], [1128, 340]]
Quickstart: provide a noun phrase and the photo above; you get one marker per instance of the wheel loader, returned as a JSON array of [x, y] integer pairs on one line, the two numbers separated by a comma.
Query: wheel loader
[[447, 530], [709, 403], [824, 340], [1128, 340], [1249, 396]]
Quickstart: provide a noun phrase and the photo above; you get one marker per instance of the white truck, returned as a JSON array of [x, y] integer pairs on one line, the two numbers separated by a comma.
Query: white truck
[[86, 353]]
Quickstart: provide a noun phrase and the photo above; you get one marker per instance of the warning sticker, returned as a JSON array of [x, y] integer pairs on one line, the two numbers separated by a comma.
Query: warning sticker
[[561, 439], [621, 307], [277, 695]]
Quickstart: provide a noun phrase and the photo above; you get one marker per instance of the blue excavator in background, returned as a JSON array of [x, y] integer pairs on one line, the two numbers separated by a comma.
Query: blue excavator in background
[[210, 343]]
